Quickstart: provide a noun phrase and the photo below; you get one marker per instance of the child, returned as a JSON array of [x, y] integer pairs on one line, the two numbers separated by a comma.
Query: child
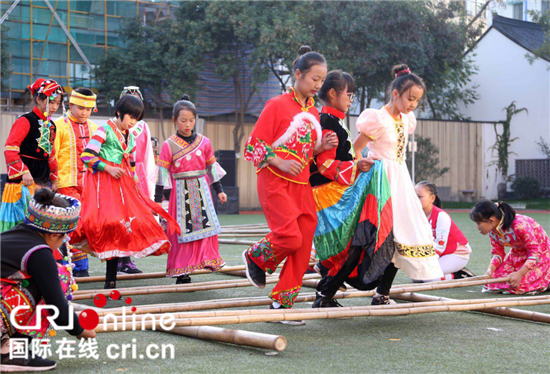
[[74, 131], [188, 158], [346, 247], [449, 242], [30, 153], [282, 144], [117, 219], [31, 277], [385, 131], [146, 170], [527, 264]]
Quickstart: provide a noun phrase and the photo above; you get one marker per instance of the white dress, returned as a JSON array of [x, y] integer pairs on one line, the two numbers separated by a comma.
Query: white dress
[[414, 254]]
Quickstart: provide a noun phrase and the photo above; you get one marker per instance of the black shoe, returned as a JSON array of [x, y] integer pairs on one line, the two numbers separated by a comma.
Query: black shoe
[[463, 273], [128, 268], [323, 302], [183, 279], [81, 273], [109, 285], [382, 300], [25, 364], [254, 273]]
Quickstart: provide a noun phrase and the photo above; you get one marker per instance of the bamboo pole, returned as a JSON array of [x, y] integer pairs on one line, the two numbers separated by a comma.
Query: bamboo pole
[[239, 337], [190, 287], [305, 297], [505, 312], [322, 313], [101, 278], [252, 312], [236, 242]]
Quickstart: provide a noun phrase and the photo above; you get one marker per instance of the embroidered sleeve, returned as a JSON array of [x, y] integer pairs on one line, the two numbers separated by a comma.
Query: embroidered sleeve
[[370, 125], [164, 162], [52, 160], [442, 230], [344, 172], [19, 130], [258, 146], [497, 250], [528, 238], [90, 155], [132, 160]]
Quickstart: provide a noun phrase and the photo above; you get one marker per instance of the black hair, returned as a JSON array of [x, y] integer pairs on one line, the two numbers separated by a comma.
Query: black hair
[[433, 190], [403, 81], [306, 59], [131, 105], [84, 91], [485, 209], [184, 104], [47, 197], [339, 81], [43, 97]]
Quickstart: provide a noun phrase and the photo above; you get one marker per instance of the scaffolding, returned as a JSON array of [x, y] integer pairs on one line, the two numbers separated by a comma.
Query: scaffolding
[[65, 39]]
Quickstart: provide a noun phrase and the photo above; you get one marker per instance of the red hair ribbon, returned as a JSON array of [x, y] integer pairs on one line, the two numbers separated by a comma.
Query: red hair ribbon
[[403, 72]]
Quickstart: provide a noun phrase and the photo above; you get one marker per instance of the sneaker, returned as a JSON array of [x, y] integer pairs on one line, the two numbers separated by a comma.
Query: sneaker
[[382, 300], [81, 273], [463, 273], [183, 279], [323, 302], [109, 285], [254, 273], [288, 323], [128, 268], [488, 290], [25, 364]]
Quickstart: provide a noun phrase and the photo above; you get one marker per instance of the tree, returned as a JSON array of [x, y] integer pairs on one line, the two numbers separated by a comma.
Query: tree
[[504, 140], [5, 71], [543, 19], [156, 59], [239, 38], [426, 160], [544, 147]]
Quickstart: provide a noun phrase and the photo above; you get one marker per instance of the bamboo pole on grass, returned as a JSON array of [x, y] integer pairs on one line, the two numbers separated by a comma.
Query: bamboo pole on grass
[[323, 313], [307, 297], [239, 337], [505, 312], [253, 312]]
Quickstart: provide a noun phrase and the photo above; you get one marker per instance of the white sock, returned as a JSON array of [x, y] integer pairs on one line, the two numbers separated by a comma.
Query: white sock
[[276, 305]]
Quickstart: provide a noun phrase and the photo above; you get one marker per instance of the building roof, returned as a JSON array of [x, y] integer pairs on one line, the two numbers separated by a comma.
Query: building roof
[[529, 35]]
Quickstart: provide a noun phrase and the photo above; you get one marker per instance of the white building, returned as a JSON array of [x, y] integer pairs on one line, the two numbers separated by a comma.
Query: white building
[[505, 75], [519, 10]]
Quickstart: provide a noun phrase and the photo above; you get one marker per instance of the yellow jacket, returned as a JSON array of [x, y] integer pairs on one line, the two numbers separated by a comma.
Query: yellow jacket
[[68, 148]]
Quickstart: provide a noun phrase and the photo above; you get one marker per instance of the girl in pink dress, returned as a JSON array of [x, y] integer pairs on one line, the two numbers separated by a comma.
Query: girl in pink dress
[[527, 264], [188, 164]]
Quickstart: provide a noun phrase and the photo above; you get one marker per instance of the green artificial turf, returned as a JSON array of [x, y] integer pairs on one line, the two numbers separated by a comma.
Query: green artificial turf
[[424, 343]]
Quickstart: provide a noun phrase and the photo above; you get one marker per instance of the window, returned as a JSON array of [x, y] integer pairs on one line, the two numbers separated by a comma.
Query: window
[[545, 6], [518, 11]]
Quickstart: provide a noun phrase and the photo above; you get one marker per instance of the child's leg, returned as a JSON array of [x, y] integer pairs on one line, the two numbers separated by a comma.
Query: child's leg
[[110, 276], [329, 285], [387, 279], [297, 263], [451, 264]]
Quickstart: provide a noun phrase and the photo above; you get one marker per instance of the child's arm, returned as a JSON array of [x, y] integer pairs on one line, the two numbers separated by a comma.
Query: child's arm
[[90, 155], [527, 236], [497, 250], [343, 172], [16, 167], [164, 163], [52, 162], [442, 230]]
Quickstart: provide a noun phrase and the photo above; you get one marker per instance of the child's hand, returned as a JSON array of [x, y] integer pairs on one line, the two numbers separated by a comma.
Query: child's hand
[[515, 279], [490, 271], [54, 186], [28, 180], [365, 164], [115, 172], [223, 197], [292, 167], [329, 141]]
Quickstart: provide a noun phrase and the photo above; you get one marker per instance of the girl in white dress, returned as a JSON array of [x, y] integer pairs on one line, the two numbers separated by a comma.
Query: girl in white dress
[[385, 132]]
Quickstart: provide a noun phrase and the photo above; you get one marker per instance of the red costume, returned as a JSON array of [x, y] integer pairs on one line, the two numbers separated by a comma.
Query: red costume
[[291, 131]]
